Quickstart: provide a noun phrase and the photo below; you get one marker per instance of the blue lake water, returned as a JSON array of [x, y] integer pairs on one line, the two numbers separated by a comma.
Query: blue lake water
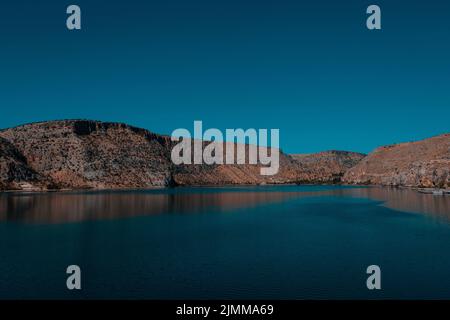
[[274, 242]]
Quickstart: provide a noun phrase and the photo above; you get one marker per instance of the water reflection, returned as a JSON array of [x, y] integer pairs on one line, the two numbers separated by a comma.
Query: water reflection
[[403, 200], [74, 207]]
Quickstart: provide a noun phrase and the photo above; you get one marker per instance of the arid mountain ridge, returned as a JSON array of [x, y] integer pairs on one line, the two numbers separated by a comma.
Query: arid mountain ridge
[[85, 154]]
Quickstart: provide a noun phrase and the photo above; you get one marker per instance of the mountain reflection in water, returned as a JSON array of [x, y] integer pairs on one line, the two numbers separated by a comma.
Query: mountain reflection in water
[[64, 207]]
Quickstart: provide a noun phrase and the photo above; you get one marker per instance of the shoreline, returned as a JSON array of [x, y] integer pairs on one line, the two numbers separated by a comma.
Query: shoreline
[[430, 191]]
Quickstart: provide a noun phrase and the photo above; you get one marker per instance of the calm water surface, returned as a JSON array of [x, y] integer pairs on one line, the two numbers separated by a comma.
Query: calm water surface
[[286, 242]]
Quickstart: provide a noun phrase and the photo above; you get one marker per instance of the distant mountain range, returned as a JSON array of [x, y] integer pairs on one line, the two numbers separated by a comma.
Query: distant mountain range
[[84, 154]]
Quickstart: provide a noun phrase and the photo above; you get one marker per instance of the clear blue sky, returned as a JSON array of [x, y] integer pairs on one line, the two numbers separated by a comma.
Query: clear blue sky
[[309, 68]]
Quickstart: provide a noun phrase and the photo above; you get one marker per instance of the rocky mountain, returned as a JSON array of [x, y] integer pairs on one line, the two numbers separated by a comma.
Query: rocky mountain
[[89, 154], [79, 154], [326, 166], [424, 163]]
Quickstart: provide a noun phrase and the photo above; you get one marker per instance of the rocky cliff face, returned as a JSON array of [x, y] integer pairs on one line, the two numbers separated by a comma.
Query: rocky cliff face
[[15, 174], [226, 174], [423, 163], [77, 154], [89, 154], [325, 167]]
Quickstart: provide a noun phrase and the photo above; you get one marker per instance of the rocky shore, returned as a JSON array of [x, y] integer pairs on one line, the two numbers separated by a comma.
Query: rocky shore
[[84, 154]]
